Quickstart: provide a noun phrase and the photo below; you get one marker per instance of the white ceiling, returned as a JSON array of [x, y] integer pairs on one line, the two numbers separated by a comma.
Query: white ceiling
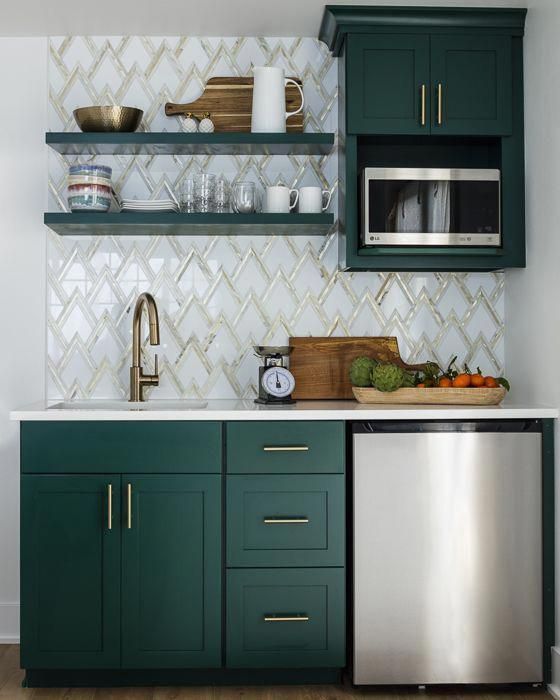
[[186, 17]]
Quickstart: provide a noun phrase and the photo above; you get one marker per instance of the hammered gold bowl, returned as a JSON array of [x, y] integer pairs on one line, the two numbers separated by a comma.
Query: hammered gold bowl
[[110, 118]]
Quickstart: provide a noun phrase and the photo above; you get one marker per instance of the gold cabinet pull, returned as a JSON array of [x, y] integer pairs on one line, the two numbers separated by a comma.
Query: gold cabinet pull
[[286, 618], [129, 506], [423, 107], [287, 448], [286, 521], [109, 506], [440, 104]]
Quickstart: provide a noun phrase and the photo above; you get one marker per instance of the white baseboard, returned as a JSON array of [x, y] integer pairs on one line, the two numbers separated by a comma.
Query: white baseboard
[[9, 623], [554, 687]]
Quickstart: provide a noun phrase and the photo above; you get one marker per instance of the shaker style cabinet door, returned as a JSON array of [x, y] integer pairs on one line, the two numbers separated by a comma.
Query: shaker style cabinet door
[[171, 571], [471, 85], [388, 84], [70, 571]]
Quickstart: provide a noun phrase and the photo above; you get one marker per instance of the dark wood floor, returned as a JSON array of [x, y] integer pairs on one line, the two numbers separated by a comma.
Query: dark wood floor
[[11, 677]]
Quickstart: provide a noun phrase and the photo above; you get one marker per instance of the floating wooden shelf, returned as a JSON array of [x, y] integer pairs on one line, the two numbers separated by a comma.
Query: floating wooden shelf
[[180, 143], [170, 224]]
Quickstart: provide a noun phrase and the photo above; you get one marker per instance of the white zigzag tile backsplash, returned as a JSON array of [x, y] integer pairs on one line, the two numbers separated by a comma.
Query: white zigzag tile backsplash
[[219, 295]]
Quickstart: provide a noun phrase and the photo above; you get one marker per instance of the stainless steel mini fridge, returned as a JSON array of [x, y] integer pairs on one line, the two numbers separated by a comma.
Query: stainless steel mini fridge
[[447, 553]]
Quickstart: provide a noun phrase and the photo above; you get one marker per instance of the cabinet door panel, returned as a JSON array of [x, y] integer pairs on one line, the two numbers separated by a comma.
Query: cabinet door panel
[[70, 572], [285, 447], [120, 447], [384, 78], [259, 511], [171, 603], [286, 618], [476, 84]]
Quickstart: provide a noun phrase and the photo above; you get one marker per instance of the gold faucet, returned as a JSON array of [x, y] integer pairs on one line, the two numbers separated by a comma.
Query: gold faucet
[[138, 380]]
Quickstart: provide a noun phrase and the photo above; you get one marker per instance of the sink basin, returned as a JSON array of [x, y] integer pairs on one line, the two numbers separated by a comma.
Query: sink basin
[[157, 405]]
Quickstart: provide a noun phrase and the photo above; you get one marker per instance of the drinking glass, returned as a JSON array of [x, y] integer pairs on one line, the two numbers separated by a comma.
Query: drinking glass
[[187, 196], [222, 196], [205, 193], [244, 197]]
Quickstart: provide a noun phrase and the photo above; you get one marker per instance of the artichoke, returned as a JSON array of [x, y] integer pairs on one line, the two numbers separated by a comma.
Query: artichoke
[[387, 377], [360, 371], [409, 380]]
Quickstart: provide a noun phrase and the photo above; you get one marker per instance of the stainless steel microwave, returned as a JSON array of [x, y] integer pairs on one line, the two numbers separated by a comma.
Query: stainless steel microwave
[[431, 207]]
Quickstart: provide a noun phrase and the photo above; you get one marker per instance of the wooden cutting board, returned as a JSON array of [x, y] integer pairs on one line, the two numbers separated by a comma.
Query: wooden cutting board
[[230, 101], [321, 365]]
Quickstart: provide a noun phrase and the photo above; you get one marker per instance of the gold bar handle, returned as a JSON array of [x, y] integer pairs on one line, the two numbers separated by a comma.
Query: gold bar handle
[[287, 448], [109, 506], [440, 104], [129, 506], [286, 521], [286, 618], [423, 109]]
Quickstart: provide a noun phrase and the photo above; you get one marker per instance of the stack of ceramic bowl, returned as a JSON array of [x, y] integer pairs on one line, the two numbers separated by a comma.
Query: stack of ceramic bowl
[[89, 187]]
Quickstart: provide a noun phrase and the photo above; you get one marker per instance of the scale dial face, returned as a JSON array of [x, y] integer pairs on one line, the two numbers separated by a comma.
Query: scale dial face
[[278, 382]]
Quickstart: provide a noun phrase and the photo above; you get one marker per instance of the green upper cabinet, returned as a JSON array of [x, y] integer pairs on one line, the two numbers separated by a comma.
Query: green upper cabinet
[[389, 92], [70, 571], [429, 84], [428, 87], [171, 571], [471, 80]]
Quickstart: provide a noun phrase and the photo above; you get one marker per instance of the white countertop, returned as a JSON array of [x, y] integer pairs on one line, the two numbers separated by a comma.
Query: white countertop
[[231, 410]]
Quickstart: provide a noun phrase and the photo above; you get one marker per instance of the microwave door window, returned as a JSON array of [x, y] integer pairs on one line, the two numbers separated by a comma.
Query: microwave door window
[[410, 208], [434, 206], [396, 206], [438, 206]]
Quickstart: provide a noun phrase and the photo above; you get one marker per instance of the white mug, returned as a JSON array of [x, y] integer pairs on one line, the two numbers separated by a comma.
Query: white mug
[[278, 199], [269, 99], [311, 200]]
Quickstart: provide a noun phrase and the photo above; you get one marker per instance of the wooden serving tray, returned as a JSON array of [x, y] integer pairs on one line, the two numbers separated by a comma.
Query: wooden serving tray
[[320, 365], [230, 102], [479, 396]]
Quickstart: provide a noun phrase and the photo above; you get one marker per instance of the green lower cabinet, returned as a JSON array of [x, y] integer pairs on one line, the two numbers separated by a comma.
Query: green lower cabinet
[[286, 618], [70, 572], [171, 572], [285, 520], [285, 447]]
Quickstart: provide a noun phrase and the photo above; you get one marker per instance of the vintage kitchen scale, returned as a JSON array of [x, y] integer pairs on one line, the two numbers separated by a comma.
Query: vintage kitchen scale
[[276, 382]]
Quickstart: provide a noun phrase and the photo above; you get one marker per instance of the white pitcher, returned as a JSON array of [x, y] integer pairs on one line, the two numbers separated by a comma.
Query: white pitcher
[[269, 100]]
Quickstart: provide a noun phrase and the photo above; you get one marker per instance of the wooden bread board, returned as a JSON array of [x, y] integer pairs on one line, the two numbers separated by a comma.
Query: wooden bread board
[[479, 396], [321, 365], [230, 102]]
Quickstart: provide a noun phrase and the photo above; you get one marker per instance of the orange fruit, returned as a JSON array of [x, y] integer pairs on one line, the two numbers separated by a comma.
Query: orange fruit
[[421, 385], [462, 381], [490, 382], [477, 380], [445, 382]]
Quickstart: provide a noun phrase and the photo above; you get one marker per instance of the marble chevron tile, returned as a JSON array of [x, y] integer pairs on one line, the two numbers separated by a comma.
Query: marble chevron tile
[[220, 295]]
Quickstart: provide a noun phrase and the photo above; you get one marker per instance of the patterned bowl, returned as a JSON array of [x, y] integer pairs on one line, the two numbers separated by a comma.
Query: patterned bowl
[[108, 118], [89, 202], [88, 180], [90, 169], [102, 190]]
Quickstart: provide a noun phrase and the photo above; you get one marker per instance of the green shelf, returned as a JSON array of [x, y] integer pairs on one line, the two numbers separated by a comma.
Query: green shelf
[[171, 224], [180, 143]]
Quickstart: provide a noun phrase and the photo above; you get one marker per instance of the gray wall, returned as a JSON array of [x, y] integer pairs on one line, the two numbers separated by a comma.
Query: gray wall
[[23, 168], [532, 295]]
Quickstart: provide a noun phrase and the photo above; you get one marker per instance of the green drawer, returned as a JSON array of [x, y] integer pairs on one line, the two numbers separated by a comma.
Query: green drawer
[[285, 520], [114, 447], [287, 618], [285, 447]]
